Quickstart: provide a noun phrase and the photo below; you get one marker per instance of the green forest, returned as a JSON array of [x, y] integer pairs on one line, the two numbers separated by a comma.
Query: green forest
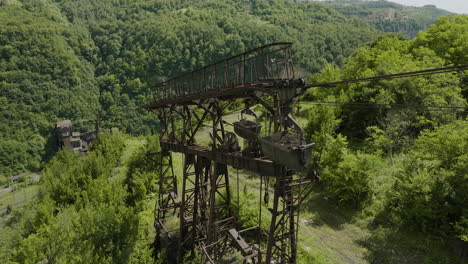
[[392, 154], [388, 16]]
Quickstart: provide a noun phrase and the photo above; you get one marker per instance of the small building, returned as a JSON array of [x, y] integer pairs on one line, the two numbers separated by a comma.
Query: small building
[[64, 128], [76, 141]]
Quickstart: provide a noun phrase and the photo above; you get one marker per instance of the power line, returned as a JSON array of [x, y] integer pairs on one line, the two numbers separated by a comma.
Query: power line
[[461, 67], [392, 105], [441, 108]]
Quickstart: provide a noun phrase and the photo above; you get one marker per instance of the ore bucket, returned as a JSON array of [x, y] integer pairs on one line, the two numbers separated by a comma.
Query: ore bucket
[[247, 129], [296, 158]]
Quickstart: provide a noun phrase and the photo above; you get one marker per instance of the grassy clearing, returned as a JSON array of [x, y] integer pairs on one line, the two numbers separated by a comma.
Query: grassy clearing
[[328, 234], [328, 238], [131, 146]]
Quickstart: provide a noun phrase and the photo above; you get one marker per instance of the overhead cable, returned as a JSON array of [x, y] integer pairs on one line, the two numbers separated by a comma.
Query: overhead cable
[[461, 67]]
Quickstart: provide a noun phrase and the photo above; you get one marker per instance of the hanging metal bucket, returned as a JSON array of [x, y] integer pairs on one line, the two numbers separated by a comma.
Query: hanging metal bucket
[[293, 156], [247, 129]]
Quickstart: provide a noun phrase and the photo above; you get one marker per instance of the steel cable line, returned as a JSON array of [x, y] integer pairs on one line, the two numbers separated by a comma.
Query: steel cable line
[[461, 67], [440, 108]]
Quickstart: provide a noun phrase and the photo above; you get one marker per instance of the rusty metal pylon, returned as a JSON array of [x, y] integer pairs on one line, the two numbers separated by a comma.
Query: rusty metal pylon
[[290, 191], [167, 200], [206, 221]]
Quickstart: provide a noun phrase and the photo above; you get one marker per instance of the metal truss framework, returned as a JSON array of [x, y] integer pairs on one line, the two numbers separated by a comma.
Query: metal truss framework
[[199, 101]]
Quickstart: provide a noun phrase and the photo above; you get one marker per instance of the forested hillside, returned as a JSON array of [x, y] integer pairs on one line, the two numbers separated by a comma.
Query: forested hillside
[[396, 150], [390, 17], [81, 60]]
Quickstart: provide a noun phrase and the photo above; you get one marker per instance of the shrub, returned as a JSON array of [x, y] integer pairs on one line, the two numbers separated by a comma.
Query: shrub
[[67, 174], [142, 172], [430, 194], [348, 180]]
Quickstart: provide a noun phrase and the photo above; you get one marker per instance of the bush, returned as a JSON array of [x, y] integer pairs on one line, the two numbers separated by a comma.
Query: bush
[[142, 172], [430, 194], [67, 174], [82, 215], [322, 123], [348, 180]]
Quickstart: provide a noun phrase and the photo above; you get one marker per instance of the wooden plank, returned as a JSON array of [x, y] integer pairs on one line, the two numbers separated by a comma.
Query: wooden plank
[[241, 244]]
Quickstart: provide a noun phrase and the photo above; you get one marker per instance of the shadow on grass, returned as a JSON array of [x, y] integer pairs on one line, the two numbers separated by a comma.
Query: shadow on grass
[[327, 211], [388, 246]]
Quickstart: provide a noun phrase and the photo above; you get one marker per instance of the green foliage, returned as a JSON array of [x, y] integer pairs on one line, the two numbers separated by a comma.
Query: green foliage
[[74, 59], [110, 146], [68, 172], [346, 175], [61, 185], [430, 194], [22, 138], [3, 180], [390, 17], [306, 257], [405, 162], [247, 210], [42, 79], [82, 215], [392, 123], [461, 228], [448, 38], [143, 172], [197, 258], [322, 124]]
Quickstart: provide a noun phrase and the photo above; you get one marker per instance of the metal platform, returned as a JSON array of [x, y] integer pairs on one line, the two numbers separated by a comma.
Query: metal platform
[[253, 72]]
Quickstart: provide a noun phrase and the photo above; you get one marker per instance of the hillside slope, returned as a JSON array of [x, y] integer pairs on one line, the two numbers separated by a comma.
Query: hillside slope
[[84, 60], [81, 60], [388, 16]]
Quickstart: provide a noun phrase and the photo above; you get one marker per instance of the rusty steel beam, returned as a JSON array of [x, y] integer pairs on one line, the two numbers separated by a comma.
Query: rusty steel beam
[[240, 76], [242, 91], [263, 166]]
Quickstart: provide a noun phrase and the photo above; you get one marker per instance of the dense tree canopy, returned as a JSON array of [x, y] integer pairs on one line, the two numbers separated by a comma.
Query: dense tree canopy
[[84, 213], [406, 104], [81, 60]]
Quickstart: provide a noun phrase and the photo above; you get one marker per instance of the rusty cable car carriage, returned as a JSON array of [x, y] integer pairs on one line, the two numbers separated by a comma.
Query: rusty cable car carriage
[[263, 76]]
